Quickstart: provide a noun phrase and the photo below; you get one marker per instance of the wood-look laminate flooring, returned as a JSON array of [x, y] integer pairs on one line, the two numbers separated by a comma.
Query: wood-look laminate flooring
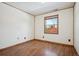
[[39, 48]]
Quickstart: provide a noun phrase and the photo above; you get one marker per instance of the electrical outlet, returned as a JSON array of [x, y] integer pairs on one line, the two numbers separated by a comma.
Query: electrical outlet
[[24, 37], [43, 36], [69, 40], [17, 38]]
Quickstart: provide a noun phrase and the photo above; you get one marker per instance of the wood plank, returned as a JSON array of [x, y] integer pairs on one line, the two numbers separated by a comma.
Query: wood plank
[[39, 48]]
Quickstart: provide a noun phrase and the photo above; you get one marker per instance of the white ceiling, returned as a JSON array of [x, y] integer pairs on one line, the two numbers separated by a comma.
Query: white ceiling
[[37, 8]]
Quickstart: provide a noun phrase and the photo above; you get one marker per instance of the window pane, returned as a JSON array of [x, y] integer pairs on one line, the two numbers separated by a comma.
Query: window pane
[[51, 25]]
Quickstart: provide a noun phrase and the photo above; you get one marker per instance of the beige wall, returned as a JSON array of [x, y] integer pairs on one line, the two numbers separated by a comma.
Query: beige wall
[[13, 24], [76, 27], [65, 27]]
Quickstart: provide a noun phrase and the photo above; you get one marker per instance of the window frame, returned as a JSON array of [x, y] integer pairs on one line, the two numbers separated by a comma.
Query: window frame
[[49, 17]]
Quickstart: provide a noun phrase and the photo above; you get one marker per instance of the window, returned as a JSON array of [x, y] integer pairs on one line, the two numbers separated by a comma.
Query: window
[[51, 24]]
